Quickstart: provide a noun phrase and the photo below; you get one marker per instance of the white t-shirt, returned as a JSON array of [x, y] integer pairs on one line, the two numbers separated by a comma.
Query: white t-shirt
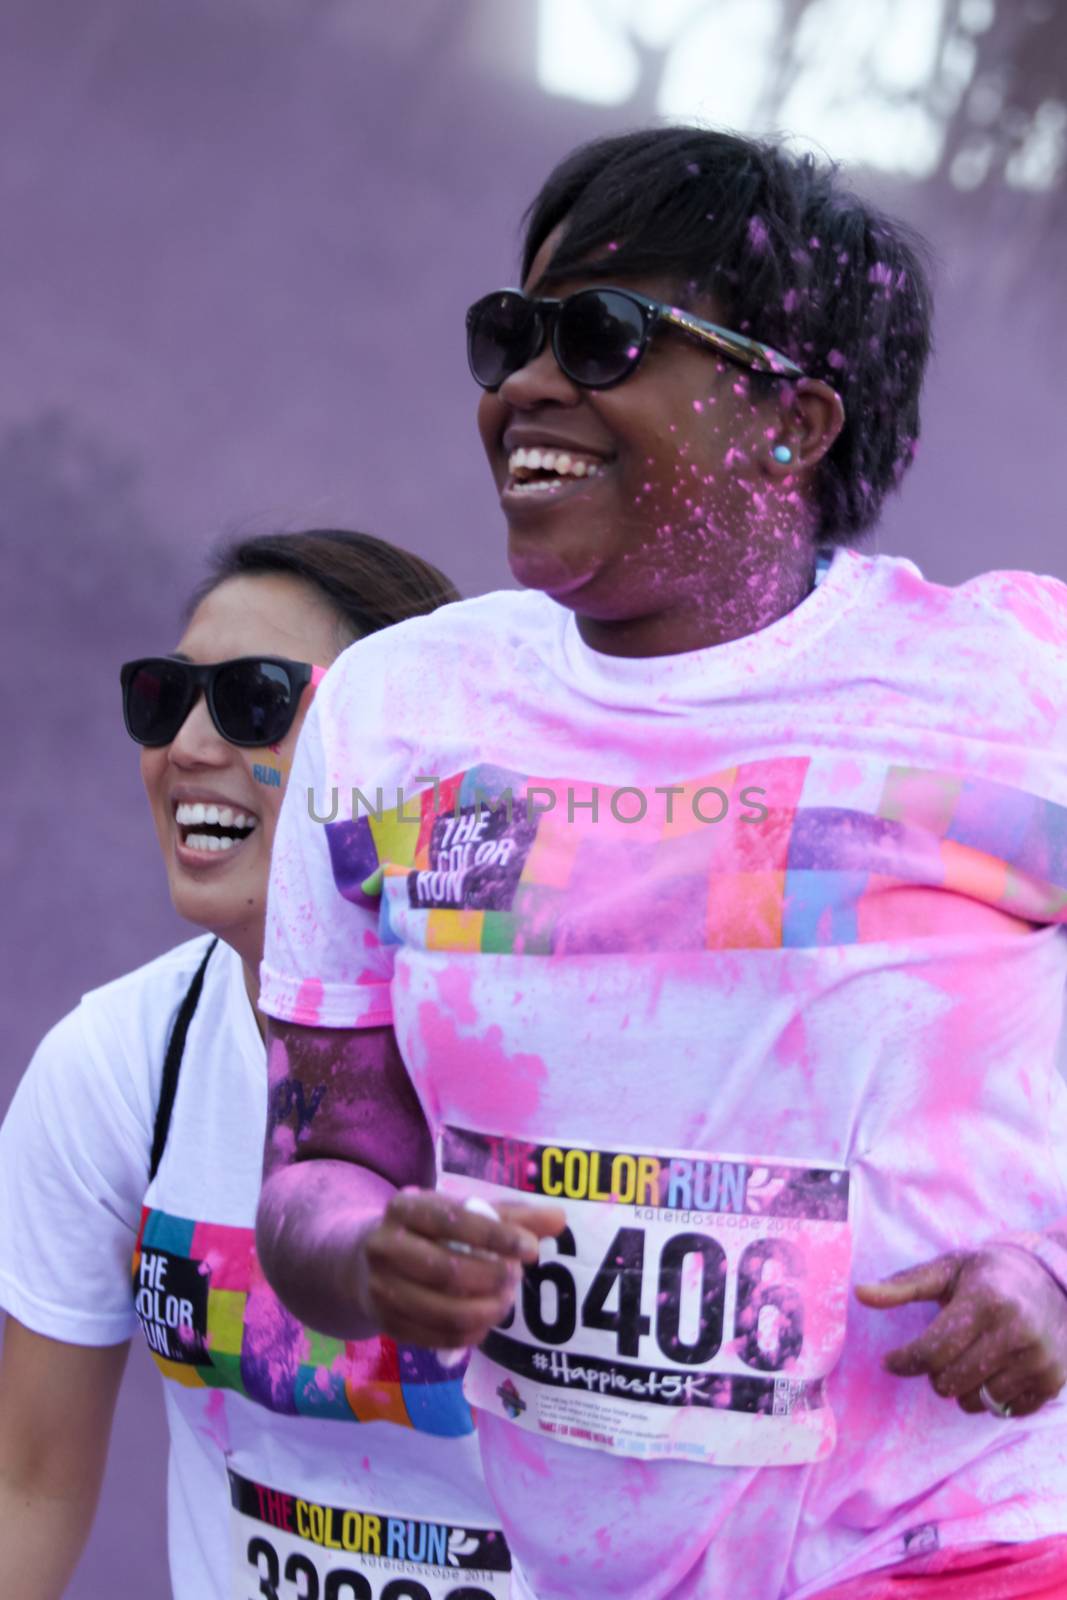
[[267, 1494], [778, 1015]]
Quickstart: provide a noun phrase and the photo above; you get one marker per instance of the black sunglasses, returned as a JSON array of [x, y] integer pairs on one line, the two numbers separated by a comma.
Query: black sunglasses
[[598, 336], [252, 700]]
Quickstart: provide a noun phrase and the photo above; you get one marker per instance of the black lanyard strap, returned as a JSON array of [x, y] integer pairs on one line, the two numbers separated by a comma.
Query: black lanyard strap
[[172, 1062]]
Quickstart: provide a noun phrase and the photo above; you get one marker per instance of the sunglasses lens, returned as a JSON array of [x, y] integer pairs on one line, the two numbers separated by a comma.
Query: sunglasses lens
[[156, 701], [502, 334], [599, 337], [255, 702]]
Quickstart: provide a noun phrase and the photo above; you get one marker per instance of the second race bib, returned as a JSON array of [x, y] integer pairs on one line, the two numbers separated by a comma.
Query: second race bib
[[286, 1547], [691, 1309]]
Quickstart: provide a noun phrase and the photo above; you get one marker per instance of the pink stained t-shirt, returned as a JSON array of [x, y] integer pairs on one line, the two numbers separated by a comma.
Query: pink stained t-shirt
[[762, 979]]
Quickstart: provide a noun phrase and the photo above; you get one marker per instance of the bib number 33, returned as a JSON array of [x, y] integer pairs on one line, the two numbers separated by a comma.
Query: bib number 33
[[297, 1578]]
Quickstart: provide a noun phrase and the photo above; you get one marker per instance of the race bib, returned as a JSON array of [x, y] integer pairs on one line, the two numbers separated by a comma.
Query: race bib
[[288, 1548], [691, 1309]]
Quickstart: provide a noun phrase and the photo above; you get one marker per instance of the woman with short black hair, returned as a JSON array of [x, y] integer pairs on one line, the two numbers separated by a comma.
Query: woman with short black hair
[[720, 935]]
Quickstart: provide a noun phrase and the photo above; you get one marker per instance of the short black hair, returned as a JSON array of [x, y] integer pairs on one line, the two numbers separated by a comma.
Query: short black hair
[[791, 255], [369, 583]]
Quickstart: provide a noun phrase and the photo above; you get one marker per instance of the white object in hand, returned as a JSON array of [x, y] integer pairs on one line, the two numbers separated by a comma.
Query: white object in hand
[[480, 1208]]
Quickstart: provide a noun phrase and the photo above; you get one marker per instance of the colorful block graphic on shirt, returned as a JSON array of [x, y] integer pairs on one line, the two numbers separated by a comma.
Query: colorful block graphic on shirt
[[752, 857], [211, 1320]]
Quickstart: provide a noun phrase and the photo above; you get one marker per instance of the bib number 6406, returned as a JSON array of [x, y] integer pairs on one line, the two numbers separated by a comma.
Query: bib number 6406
[[689, 1315]]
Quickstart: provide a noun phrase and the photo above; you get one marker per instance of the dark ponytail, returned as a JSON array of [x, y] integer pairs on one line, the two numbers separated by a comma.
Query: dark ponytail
[[369, 583]]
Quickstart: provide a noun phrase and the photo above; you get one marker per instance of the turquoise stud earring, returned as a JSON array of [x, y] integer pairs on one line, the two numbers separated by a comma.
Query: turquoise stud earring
[[782, 453]]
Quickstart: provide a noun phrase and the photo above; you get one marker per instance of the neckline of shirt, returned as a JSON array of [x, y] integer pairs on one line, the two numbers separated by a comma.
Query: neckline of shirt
[[841, 576]]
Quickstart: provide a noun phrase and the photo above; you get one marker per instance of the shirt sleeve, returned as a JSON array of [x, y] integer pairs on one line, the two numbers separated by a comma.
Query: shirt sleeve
[[324, 964], [1048, 1246], [73, 1172]]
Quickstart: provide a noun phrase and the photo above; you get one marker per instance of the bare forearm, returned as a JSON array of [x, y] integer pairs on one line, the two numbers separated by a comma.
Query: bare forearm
[[345, 1132], [311, 1220], [43, 1536], [56, 1406]]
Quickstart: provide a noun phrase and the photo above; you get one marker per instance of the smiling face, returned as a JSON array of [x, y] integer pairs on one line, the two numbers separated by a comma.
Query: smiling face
[[669, 524], [215, 806]]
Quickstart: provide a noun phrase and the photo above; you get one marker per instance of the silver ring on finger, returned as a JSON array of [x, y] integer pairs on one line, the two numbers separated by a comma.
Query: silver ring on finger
[[994, 1407]]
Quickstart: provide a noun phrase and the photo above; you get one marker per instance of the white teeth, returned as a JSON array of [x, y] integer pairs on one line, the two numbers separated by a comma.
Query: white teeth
[[209, 842], [192, 816], [560, 462], [542, 486]]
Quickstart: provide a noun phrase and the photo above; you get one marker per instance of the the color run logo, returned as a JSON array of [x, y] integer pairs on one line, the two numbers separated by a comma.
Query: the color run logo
[[373, 1535], [692, 1183], [170, 1299]]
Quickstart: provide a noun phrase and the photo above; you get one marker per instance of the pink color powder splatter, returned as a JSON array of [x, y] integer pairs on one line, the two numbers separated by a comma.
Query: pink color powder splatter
[[308, 1003], [476, 1072]]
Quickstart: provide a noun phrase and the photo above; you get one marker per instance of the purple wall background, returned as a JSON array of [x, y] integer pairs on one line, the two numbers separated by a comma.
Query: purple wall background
[[235, 247]]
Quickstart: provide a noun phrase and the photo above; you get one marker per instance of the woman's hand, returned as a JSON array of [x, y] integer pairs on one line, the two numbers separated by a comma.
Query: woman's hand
[[421, 1291], [1002, 1325]]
